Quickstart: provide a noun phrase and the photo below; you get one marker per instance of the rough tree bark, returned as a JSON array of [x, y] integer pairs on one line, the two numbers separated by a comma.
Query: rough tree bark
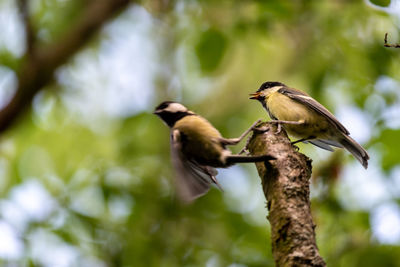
[[286, 187]]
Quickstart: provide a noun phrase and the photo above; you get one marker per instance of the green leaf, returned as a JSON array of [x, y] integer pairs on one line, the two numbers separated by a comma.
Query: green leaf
[[210, 49], [383, 3]]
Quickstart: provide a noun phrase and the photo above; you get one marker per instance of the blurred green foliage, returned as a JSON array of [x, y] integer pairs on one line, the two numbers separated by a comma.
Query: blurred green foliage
[[210, 49], [389, 156], [383, 3], [111, 195]]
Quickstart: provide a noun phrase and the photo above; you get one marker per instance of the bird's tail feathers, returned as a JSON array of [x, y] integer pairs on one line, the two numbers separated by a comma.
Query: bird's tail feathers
[[356, 149]]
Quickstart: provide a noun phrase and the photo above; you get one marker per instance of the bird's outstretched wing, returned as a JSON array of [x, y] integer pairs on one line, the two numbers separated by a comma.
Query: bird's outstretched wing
[[313, 104], [192, 179]]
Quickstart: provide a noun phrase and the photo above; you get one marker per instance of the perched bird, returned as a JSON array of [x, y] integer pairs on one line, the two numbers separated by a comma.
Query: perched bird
[[304, 118], [196, 148]]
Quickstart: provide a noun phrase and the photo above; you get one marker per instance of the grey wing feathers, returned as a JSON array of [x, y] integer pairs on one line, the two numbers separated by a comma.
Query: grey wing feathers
[[324, 144], [312, 103], [192, 179], [331, 143], [320, 145]]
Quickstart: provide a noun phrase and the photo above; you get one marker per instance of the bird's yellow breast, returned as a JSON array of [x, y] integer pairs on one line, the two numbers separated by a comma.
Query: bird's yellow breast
[[284, 108], [196, 126], [200, 140]]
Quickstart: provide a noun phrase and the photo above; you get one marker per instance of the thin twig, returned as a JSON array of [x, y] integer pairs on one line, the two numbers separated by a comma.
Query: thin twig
[[390, 45]]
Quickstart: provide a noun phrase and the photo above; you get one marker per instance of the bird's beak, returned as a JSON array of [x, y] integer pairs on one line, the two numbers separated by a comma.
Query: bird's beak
[[156, 112], [255, 95]]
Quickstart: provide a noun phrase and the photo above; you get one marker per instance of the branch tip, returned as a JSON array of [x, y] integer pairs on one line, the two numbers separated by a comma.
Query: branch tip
[[386, 44]]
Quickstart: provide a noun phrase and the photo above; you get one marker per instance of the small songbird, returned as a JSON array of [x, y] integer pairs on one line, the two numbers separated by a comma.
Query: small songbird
[[304, 118], [196, 148]]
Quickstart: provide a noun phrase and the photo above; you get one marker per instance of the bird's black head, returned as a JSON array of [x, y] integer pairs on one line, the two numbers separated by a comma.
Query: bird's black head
[[264, 91], [164, 105], [170, 112], [268, 85]]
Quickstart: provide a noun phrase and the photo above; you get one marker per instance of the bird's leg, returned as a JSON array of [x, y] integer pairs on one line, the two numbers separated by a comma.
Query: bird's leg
[[301, 140], [298, 141], [279, 122], [235, 141]]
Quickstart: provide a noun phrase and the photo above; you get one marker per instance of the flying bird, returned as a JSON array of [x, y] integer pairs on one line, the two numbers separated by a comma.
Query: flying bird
[[197, 148]]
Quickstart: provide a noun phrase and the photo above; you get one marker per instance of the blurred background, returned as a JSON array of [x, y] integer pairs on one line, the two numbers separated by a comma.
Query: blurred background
[[85, 173]]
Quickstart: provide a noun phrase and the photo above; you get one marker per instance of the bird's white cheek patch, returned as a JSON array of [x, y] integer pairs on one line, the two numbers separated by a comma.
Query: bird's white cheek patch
[[176, 107]]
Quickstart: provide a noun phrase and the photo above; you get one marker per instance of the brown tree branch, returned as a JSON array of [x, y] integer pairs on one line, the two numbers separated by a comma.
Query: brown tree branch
[[41, 61], [389, 45], [286, 187], [23, 7]]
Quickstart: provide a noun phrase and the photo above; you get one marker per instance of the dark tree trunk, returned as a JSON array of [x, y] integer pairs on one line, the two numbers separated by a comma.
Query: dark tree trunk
[[286, 187]]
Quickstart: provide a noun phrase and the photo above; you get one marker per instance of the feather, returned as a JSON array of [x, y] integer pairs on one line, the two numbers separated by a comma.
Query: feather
[[354, 148], [192, 179], [331, 143], [320, 144], [324, 144], [303, 98]]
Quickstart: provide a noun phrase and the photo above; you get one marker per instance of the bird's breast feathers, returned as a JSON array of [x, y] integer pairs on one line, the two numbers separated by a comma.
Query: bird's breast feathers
[[200, 140], [196, 125], [284, 108]]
